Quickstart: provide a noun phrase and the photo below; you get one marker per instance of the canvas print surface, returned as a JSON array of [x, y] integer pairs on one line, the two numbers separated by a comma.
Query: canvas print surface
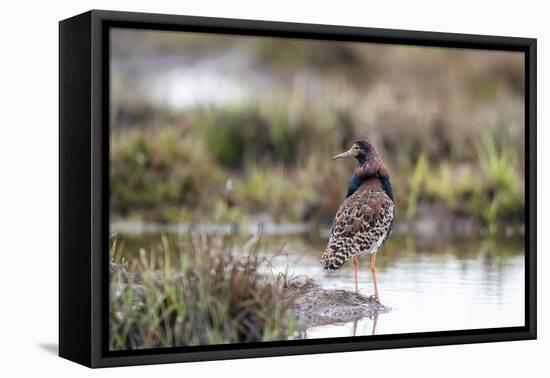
[[266, 189]]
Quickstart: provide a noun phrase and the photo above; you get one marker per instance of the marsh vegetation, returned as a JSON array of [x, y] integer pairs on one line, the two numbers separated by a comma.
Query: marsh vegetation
[[236, 134], [202, 290]]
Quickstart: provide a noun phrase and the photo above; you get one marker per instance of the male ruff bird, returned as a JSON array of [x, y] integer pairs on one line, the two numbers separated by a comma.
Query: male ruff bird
[[365, 219]]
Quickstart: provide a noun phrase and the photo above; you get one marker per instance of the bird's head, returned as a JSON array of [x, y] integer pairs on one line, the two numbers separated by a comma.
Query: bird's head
[[370, 163], [361, 150]]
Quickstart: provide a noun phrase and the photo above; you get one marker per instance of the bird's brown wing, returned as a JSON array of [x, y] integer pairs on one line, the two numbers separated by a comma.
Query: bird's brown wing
[[361, 225]]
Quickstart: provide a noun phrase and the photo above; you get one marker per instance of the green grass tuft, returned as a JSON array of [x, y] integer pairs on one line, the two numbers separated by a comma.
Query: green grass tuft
[[206, 291]]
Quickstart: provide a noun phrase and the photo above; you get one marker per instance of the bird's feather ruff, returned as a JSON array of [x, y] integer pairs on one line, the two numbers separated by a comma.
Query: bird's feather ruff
[[362, 224]]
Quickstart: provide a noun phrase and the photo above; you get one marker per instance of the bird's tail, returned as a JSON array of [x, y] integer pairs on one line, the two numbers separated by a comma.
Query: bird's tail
[[330, 260], [325, 258]]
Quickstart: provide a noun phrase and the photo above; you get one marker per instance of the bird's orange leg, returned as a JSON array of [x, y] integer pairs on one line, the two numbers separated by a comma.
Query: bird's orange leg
[[355, 263], [374, 321], [373, 271]]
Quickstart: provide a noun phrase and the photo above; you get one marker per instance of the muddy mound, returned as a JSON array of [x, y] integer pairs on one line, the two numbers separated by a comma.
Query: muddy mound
[[315, 306]]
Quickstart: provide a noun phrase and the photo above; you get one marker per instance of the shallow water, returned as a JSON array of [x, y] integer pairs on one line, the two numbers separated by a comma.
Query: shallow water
[[479, 284], [181, 82], [430, 286]]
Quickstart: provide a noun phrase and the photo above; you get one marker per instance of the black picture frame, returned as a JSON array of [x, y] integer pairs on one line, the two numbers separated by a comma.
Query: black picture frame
[[84, 186]]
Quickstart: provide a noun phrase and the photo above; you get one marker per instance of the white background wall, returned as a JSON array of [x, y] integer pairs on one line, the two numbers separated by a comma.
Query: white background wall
[[29, 186]]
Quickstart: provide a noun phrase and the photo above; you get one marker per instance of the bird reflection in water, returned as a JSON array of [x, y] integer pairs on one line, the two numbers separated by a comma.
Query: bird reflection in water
[[373, 330]]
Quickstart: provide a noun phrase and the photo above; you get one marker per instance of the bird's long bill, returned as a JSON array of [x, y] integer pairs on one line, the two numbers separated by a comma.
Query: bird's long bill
[[343, 155]]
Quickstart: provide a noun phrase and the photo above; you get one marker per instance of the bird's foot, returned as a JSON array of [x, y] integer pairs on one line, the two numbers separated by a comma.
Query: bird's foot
[[368, 297]]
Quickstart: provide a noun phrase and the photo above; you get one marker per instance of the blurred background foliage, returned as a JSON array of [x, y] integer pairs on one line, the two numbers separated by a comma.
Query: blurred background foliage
[[219, 128]]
